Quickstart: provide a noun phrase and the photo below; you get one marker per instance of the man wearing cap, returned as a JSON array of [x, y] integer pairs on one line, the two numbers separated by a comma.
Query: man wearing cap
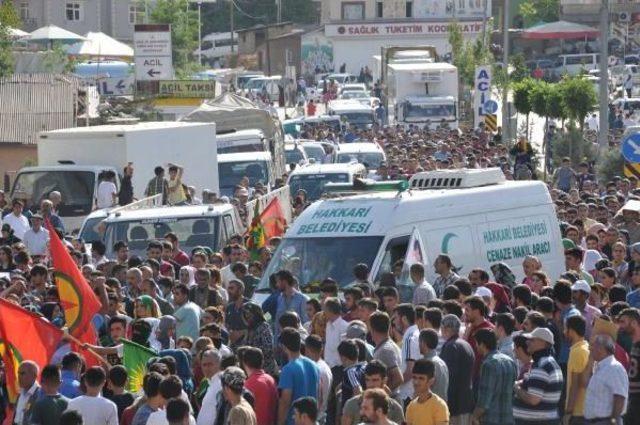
[[580, 292], [18, 221], [537, 396], [36, 238]]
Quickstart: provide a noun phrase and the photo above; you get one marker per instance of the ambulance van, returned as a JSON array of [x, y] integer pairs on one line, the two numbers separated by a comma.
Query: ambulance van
[[475, 216]]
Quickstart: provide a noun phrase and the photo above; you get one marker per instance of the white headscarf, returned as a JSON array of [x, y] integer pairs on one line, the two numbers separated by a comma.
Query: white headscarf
[[591, 257]]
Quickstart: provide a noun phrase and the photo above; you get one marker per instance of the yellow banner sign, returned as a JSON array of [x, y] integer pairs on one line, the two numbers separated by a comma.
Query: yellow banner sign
[[182, 88]]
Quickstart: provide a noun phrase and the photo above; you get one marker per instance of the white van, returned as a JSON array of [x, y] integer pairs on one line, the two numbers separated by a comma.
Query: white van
[[369, 154], [475, 216], [194, 225], [577, 63], [353, 113], [314, 177], [232, 167]]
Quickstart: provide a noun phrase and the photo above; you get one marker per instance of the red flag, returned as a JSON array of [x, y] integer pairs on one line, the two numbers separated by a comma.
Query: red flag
[[77, 298], [24, 336], [272, 219]]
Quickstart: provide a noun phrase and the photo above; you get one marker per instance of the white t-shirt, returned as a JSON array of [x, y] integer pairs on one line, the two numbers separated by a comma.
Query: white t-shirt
[[410, 352], [106, 190], [95, 410], [159, 417]]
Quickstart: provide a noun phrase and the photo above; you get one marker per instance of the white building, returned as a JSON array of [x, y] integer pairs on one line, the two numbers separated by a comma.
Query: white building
[[357, 30]]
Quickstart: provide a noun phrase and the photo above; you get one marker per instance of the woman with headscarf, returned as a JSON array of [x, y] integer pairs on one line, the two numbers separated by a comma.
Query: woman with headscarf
[[147, 309], [259, 334], [53, 313], [530, 265], [500, 297], [503, 274], [591, 257], [187, 275], [618, 262]]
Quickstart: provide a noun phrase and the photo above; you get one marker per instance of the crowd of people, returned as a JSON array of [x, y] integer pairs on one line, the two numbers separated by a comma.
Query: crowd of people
[[480, 348]]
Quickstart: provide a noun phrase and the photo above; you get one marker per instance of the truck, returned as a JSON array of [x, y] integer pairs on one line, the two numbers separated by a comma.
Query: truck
[[424, 94], [71, 160]]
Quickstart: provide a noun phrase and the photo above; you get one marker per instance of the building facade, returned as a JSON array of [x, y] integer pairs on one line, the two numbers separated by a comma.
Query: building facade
[[274, 46], [113, 17], [358, 29]]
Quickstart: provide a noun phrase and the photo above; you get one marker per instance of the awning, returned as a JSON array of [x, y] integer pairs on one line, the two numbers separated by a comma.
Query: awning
[[100, 44], [560, 30]]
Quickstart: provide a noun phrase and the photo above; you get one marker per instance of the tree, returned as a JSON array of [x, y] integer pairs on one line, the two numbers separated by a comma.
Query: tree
[[8, 19], [534, 11], [521, 97], [609, 165], [184, 30], [538, 96], [578, 97]]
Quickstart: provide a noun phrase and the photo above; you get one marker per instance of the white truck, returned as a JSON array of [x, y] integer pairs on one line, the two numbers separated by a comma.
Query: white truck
[[70, 161], [423, 94]]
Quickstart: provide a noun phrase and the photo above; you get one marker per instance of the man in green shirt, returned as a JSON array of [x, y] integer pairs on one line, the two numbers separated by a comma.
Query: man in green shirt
[[48, 409]]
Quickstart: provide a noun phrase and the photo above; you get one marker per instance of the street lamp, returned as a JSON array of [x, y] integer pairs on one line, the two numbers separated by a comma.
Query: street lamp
[[199, 2]]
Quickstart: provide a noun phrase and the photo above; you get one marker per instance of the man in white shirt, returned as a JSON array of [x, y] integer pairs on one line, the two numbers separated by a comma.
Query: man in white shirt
[[335, 330], [236, 255], [313, 350], [593, 123], [37, 237], [404, 321], [18, 222], [210, 365], [608, 388], [93, 408], [107, 194], [423, 292], [176, 408], [29, 392]]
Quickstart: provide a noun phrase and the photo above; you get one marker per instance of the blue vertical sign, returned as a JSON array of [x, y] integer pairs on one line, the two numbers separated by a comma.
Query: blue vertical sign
[[481, 93]]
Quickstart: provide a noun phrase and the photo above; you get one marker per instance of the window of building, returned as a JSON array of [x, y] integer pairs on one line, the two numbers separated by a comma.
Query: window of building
[[137, 13], [74, 11], [353, 11], [409, 9], [24, 10], [379, 9]]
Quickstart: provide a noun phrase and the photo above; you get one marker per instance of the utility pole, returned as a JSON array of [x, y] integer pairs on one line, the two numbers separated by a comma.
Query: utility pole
[[199, 32], [506, 133], [231, 22], [279, 6], [603, 133]]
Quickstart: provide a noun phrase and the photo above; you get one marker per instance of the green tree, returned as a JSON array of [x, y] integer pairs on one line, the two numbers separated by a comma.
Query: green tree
[[522, 97], [184, 30], [534, 11], [579, 98], [609, 165], [520, 71], [538, 95], [8, 19], [574, 145]]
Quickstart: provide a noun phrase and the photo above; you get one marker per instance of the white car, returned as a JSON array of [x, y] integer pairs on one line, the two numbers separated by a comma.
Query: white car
[[295, 154], [354, 87]]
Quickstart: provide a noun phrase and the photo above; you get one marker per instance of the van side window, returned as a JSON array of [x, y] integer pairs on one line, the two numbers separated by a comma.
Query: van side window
[[228, 225], [395, 250]]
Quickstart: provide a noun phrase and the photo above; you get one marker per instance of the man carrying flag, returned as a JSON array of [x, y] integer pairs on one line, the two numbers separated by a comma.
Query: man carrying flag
[[265, 225], [77, 298], [26, 355]]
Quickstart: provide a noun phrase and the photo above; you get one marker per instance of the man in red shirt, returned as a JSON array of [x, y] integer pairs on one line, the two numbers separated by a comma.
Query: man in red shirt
[[179, 256], [261, 385], [475, 312]]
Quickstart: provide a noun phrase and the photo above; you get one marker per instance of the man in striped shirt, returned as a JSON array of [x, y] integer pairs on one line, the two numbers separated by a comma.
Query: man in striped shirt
[[537, 396]]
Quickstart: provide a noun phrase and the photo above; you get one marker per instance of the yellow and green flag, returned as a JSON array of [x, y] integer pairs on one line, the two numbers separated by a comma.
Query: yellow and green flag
[[135, 361]]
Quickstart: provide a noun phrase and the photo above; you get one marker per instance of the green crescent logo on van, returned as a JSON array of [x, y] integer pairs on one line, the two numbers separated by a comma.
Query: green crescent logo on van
[[444, 247]]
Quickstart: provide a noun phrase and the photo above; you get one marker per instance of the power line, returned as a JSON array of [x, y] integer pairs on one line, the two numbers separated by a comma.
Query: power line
[[258, 18]]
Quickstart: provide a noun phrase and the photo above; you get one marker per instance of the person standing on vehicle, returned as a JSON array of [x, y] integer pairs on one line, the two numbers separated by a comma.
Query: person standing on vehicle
[[125, 196], [176, 194], [158, 185], [628, 84], [107, 191]]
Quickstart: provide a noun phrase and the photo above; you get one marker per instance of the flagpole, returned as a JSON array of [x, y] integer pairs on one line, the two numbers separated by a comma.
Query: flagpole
[[75, 340]]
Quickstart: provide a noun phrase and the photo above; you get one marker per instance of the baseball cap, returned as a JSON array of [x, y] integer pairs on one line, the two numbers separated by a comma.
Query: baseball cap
[[483, 291], [581, 285], [540, 333], [356, 329]]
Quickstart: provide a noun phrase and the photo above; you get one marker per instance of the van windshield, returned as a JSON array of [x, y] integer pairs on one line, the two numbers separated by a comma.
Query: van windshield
[[436, 112], [191, 232], [313, 259], [76, 188], [357, 117], [314, 184], [372, 160], [241, 146], [230, 173]]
